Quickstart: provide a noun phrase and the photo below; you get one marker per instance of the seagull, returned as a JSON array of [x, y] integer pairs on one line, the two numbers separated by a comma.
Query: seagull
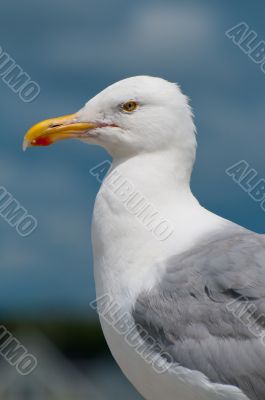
[[180, 290]]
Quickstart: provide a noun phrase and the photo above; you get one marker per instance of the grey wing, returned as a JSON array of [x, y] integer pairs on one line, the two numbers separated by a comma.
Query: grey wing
[[208, 311]]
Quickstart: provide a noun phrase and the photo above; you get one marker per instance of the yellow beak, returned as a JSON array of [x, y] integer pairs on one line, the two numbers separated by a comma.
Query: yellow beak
[[52, 130]]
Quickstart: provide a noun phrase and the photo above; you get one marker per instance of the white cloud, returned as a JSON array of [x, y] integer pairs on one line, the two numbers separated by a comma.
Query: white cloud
[[168, 26]]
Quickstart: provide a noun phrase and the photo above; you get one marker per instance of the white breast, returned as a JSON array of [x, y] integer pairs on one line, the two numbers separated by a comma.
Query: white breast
[[128, 258]]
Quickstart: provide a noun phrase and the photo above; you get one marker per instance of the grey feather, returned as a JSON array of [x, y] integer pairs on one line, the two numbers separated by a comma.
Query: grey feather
[[208, 310]]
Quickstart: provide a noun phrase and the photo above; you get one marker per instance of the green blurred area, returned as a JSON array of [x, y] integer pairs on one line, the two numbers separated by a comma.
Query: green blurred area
[[73, 363], [75, 339]]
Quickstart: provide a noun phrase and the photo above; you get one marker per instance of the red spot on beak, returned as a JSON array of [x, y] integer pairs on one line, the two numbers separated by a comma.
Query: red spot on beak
[[42, 141]]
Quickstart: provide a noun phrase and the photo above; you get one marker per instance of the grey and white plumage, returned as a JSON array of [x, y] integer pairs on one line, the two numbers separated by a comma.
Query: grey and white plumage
[[173, 292], [192, 320]]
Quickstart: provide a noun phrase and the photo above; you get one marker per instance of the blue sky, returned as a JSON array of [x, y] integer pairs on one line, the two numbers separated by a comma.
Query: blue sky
[[73, 49]]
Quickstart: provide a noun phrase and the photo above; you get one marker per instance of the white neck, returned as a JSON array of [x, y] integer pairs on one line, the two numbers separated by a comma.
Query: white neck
[[165, 170], [125, 243]]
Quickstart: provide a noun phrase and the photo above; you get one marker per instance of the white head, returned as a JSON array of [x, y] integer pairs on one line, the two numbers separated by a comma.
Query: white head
[[137, 115]]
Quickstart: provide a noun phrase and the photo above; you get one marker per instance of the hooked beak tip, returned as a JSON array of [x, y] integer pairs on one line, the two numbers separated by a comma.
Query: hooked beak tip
[[25, 144]]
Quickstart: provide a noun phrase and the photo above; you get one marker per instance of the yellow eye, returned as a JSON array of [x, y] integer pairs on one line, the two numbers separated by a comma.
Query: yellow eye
[[130, 106]]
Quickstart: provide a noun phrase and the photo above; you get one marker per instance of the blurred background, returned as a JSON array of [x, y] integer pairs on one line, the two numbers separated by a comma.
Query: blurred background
[[73, 49]]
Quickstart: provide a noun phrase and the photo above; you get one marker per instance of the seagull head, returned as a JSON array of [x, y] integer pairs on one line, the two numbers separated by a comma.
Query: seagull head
[[140, 114]]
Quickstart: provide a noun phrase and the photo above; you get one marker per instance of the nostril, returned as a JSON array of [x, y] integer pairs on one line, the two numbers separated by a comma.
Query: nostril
[[54, 125]]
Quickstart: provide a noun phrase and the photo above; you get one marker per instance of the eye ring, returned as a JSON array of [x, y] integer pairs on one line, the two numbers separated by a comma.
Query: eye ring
[[130, 106]]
